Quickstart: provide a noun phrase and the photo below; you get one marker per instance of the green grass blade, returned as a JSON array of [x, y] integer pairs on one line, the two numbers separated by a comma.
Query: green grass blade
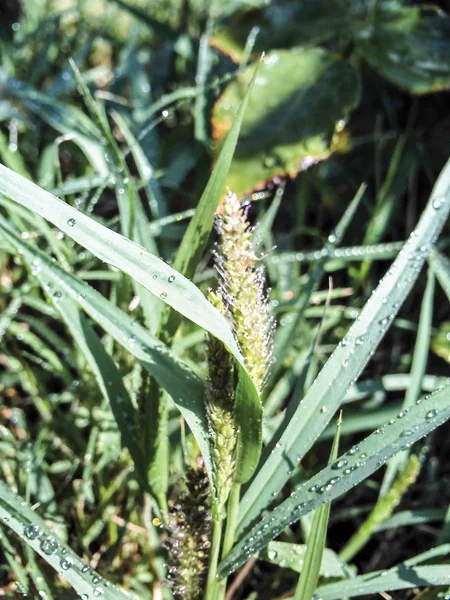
[[418, 367], [350, 469], [148, 270], [291, 556], [183, 386], [349, 358], [31, 528], [194, 241], [309, 576], [68, 120], [400, 577], [441, 267]]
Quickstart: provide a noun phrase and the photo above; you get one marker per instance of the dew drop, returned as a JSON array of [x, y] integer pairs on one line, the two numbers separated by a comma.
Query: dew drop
[[71, 222], [171, 278], [163, 295], [340, 464], [49, 545], [431, 414], [438, 202], [66, 563], [32, 532], [99, 591]]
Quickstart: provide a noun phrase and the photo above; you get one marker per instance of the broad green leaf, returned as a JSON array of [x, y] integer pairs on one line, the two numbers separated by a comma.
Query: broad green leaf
[[349, 358], [183, 386], [31, 528], [315, 547], [299, 97], [283, 25], [409, 45], [350, 469], [291, 556]]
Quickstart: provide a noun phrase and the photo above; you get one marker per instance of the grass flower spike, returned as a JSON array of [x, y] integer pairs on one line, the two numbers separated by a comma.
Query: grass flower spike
[[242, 288]]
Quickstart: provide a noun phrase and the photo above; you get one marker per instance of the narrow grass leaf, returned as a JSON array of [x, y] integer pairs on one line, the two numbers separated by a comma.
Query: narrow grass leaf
[[148, 270], [31, 528], [180, 382], [68, 120], [418, 367], [400, 577], [441, 267], [310, 573], [292, 556], [195, 239], [349, 358], [350, 469]]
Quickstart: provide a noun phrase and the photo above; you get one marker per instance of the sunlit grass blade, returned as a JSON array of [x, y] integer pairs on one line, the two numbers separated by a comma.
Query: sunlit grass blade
[[409, 574], [349, 358], [291, 556], [31, 528], [195, 239], [350, 469], [339, 257], [148, 270], [183, 386], [418, 367], [315, 546]]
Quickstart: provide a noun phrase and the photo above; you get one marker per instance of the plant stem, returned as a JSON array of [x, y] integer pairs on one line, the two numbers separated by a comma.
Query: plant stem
[[211, 582], [232, 515]]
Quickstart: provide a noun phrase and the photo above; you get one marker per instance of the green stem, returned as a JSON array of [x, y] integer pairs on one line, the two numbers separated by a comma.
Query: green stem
[[228, 541], [211, 582], [232, 515]]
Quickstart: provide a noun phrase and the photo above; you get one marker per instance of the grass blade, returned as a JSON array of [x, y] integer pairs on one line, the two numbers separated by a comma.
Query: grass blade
[[418, 367], [401, 577], [291, 556], [16, 515], [183, 386], [148, 270], [352, 467], [349, 358], [441, 267], [309, 576]]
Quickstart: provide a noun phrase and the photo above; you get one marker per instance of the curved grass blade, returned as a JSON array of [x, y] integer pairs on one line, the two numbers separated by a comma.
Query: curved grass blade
[[401, 577], [183, 386], [31, 528], [349, 358], [350, 469], [148, 270]]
